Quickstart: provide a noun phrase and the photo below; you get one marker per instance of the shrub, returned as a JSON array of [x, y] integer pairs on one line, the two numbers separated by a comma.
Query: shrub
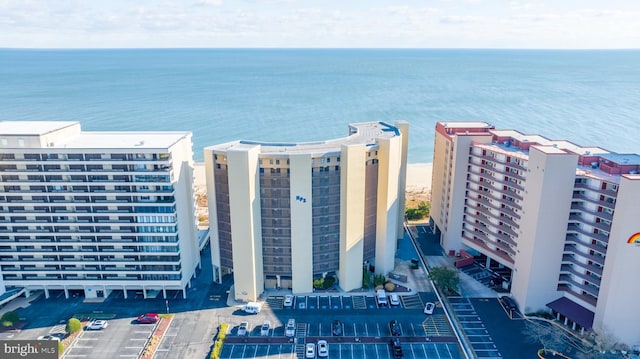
[[329, 282], [418, 213], [318, 283], [379, 280], [389, 287], [60, 348], [73, 326], [9, 318], [366, 278]]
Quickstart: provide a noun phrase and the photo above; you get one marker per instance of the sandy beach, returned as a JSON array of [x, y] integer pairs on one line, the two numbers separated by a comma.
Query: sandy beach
[[418, 183]]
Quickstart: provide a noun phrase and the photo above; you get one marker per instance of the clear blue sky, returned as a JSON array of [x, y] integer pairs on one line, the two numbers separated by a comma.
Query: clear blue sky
[[320, 23]]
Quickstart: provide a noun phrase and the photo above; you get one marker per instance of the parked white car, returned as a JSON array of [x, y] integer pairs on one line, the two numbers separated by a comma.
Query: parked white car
[[98, 325], [310, 351], [323, 349], [264, 329], [429, 307], [288, 301], [394, 299]]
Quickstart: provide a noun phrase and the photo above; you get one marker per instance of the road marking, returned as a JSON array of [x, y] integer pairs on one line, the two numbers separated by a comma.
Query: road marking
[[75, 355], [138, 339], [130, 355], [134, 347]]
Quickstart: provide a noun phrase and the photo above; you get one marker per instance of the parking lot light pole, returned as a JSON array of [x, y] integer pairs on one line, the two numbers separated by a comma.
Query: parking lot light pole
[[166, 302]]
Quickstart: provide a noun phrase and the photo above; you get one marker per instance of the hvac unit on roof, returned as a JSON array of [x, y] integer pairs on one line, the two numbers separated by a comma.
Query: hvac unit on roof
[[594, 164], [633, 172]]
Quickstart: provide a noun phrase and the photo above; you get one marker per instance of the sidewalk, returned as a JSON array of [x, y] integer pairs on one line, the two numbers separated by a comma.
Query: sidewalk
[[20, 302]]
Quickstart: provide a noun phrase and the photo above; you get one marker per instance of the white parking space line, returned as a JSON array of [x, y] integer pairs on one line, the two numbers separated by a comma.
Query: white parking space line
[[134, 347], [130, 356], [74, 355], [145, 339], [449, 351]]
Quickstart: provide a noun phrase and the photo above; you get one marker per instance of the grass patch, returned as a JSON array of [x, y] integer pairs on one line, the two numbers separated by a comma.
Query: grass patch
[[94, 316]]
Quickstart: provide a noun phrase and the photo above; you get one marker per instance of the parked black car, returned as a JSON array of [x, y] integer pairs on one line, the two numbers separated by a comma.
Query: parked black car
[[396, 349], [395, 329], [509, 303], [336, 328]]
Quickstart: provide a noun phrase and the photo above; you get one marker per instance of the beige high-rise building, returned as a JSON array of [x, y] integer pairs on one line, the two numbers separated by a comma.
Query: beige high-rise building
[[283, 214], [96, 211], [558, 220]]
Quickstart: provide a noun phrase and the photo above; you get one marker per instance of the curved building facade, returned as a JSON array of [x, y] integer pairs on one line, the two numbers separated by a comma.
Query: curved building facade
[[282, 214]]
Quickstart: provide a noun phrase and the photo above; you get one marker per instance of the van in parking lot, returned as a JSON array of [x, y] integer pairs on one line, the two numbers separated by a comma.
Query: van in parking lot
[[252, 307], [381, 298]]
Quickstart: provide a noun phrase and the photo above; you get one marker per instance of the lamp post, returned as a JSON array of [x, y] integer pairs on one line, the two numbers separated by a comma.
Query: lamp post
[[166, 302]]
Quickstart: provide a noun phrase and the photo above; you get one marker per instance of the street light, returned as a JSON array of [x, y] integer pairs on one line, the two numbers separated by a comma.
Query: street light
[[166, 302]]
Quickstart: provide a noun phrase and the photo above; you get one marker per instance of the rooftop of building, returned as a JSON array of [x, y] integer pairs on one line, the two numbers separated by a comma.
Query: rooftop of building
[[117, 140], [32, 128], [90, 139], [366, 133]]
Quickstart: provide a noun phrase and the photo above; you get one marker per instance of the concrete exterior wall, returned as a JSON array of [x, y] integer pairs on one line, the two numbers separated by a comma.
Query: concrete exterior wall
[[439, 177], [389, 163], [403, 126], [301, 224], [545, 211], [244, 201], [182, 155], [457, 178], [352, 211], [616, 311]]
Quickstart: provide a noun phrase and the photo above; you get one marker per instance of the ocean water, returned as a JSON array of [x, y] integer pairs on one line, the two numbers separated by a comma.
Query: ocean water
[[587, 97]]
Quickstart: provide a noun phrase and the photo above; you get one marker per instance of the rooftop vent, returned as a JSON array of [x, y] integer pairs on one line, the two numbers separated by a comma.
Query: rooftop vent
[[633, 172], [141, 143], [587, 153], [594, 164]]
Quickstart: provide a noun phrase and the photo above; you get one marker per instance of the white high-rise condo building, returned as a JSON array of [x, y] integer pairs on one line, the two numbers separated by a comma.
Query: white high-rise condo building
[[561, 220], [284, 214], [96, 211]]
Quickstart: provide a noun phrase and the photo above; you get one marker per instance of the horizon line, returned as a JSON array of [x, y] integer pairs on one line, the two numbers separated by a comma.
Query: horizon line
[[327, 48]]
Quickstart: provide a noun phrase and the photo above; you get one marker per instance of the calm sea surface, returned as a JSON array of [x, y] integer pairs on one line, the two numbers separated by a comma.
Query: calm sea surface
[[588, 97]]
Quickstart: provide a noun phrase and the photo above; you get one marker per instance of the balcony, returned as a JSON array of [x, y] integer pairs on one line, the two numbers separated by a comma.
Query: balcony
[[597, 236], [570, 259], [567, 279], [599, 190], [480, 246], [587, 298], [604, 215], [596, 201], [568, 269]]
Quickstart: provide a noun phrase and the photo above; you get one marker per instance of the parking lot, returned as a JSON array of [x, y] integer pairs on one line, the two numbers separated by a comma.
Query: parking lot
[[474, 328], [343, 351], [338, 302], [121, 339]]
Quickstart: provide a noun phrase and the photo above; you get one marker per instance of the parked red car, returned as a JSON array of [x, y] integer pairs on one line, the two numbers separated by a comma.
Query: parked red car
[[148, 318]]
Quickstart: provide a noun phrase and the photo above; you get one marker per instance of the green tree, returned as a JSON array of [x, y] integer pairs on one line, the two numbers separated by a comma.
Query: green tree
[[445, 279], [73, 325], [422, 211], [9, 318], [379, 280], [366, 278]]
